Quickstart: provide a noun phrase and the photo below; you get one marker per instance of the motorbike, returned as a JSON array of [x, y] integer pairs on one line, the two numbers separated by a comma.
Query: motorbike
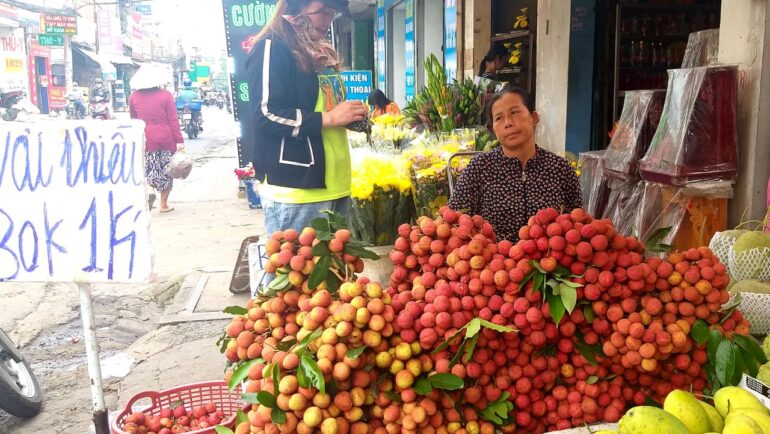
[[73, 111], [190, 117], [10, 104], [100, 108], [20, 393]]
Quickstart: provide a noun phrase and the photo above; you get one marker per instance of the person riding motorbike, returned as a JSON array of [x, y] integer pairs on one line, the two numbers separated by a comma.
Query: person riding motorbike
[[188, 95], [99, 96], [75, 95]]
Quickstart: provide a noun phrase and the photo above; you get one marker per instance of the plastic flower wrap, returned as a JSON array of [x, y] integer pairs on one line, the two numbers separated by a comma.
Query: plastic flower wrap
[[428, 157], [390, 132], [381, 197], [357, 140]]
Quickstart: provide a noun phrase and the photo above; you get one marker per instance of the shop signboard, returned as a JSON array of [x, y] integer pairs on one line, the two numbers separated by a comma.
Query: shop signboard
[[9, 15], [144, 9], [74, 206], [104, 31], [358, 84], [450, 39], [60, 24], [13, 71], [243, 21], [381, 44], [48, 40], [409, 54]]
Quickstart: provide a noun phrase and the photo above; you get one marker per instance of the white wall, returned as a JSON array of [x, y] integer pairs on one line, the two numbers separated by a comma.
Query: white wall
[[743, 36], [552, 50], [430, 36]]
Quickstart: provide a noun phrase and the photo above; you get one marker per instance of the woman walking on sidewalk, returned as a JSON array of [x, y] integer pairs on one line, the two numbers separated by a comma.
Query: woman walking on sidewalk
[[299, 112], [156, 107]]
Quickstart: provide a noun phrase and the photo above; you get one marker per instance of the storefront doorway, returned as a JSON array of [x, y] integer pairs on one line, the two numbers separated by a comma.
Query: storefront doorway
[[430, 35], [396, 63]]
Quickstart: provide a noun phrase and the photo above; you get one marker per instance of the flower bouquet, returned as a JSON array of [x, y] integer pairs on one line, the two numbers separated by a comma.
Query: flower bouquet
[[390, 132], [247, 176], [381, 197]]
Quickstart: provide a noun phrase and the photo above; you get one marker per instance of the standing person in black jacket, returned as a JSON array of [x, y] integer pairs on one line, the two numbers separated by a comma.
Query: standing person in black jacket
[[299, 113]]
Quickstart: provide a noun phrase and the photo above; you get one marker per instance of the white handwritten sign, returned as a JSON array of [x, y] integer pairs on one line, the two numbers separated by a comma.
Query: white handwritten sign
[[72, 202]]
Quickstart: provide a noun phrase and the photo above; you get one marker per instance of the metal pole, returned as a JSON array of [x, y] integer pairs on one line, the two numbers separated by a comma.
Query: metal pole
[[68, 60], [100, 416]]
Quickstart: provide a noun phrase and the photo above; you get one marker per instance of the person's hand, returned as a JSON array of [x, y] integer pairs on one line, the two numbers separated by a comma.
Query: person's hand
[[180, 146], [345, 113]]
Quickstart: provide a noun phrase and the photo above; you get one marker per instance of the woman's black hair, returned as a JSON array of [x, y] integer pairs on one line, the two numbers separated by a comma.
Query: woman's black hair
[[496, 50], [378, 99], [482, 67], [525, 98]]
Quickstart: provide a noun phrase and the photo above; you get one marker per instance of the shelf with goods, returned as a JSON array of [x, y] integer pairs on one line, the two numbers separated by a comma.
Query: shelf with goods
[[513, 23], [651, 38]]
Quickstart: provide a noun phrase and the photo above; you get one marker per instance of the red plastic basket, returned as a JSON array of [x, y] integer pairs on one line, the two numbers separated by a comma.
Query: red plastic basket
[[192, 395]]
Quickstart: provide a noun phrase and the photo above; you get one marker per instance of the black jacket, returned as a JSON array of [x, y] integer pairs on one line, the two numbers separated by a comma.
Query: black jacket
[[288, 147]]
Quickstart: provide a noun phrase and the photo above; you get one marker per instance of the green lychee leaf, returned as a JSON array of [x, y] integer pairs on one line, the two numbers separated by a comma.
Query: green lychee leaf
[[235, 310], [313, 372], [750, 346], [568, 297], [589, 352], [355, 249], [527, 278], [222, 342], [470, 348], [448, 341], [569, 283], [740, 366], [473, 328], [221, 429], [592, 379], [588, 313], [249, 398], [240, 374], [355, 352], [556, 308], [240, 417], [700, 332], [729, 307], [266, 399], [320, 271], [321, 225], [496, 327], [725, 361], [286, 345], [422, 386], [276, 378], [307, 340], [280, 283], [320, 249], [715, 338], [446, 381], [456, 358], [278, 416], [562, 271]]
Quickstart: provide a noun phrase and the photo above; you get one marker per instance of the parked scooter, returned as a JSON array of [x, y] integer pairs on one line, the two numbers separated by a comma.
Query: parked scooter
[[74, 111], [11, 104], [20, 393]]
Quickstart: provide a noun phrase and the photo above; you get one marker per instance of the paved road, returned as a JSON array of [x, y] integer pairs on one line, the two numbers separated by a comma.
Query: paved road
[[204, 230]]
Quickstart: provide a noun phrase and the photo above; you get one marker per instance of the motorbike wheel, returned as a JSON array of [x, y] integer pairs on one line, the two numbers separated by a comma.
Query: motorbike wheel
[[190, 131], [10, 114], [20, 393]]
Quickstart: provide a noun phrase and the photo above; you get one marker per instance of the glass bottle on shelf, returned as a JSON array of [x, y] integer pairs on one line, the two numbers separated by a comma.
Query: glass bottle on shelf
[[643, 52], [632, 54], [654, 57], [643, 24]]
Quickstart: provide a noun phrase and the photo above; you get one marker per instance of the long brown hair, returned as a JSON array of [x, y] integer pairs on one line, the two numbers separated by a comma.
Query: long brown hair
[[279, 28]]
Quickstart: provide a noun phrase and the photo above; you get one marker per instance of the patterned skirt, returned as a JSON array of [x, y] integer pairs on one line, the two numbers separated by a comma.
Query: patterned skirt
[[155, 169]]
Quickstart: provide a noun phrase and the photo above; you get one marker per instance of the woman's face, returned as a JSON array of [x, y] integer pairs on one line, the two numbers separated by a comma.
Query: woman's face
[[321, 17], [512, 123]]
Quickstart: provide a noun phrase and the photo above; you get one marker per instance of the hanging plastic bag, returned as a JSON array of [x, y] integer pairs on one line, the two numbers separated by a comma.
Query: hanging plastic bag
[[180, 165]]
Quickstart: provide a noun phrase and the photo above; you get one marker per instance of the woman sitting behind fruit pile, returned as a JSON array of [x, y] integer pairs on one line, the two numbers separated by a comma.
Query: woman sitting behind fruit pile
[[509, 184]]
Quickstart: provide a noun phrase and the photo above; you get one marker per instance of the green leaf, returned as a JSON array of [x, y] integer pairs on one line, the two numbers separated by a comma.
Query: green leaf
[[538, 282], [562, 271], [320, 249], [267, 399], [324, 236], [589, 351], [221, 429], [700, 332], [473, 328], [496, 327], [241, 373], [320, 271], [235, 310], [588, 313], [446, 381], [527, 278], [657, 236], [448, 341], [308, 339], [321, 225], [715, 338], [728, 309], [651, 402], [422, 386], [751, 347], [280, 283], [175, 404], [536, 266], [568, 297], [303, 379], [249, 398], [355, 352], [741, 365], [286, 345], [222, 342], [336, 220], [725, 361], [592, 379], [313, 372], [356, 249], [276, 378], [470, 348], [240, 417], [456, 358], [556, 307], [278, 416]]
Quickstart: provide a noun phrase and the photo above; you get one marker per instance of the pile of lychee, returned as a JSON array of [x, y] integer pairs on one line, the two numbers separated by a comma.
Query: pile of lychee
[[626, 339], [174, 420]]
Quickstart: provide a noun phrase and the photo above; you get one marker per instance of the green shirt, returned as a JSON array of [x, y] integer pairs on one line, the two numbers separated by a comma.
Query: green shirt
[[331, 92]]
